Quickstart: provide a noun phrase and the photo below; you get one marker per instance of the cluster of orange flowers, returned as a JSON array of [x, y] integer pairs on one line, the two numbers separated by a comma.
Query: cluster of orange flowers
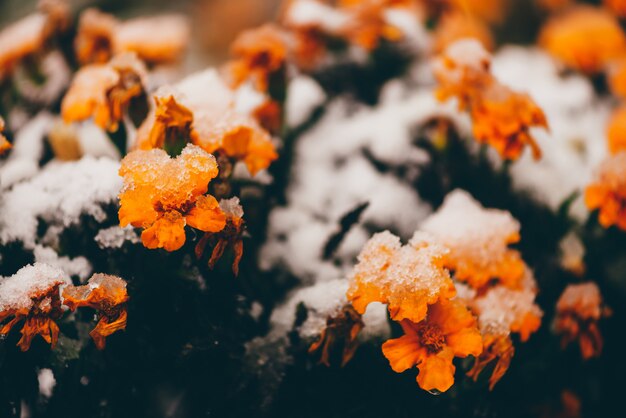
[[489, 295], [579, 309], [501, 117], [34, 295]]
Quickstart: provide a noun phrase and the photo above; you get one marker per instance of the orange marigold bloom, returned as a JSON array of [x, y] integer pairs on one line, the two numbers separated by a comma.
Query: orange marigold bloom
[[32, 295], [230, 236], [618, 7], [456, 26], [579, 309], [585, 38], [407, 278], [29, 35], [106, 294], [616, 131], [502, 118], [478, 240], [162, 195], [448, 331], [156, 39], [608, 192], [104, 91], [258, 54], [341, 330], [4, 144]]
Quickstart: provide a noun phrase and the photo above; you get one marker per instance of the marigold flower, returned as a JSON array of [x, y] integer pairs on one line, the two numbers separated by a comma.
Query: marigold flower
[[106, 294], [478, 240], [503, 118], [4, 144], [258, 54], [498, 349], [579, 309], [155, 39], [406, 278], [230, 236], [32, 295], [341, 331], [616, 131], [162, 195], [456, 26], [28, 36], [608, 192], [585, 38], [104, 91], [448, 331]]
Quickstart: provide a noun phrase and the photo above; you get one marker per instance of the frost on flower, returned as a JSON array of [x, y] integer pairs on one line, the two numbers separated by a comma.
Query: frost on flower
[[407, 278], [578, 311], [162, 195], [501, 117], [607, 193], [32, 295], [104, 91], [156, 39], [108, 296], [478, 240]]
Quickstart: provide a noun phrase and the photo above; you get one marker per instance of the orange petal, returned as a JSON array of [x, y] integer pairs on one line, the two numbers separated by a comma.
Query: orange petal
[[465, 342], [206, 215], [437, 372], [403, 353], [167, 232]]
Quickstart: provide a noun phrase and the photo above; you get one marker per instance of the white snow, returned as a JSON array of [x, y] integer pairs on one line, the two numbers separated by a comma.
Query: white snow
[[115, 237], [47, 382], [304, 96], [16, 291], [78, 266]]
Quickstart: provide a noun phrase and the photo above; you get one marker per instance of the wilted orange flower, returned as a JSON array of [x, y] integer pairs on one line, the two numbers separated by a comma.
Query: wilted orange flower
[[341, 332], [4, 144], [585, 38], [456, 26], [104, 91], [448, 331], [163, 194], [502, 118], [406, 278], [32, 295], [579, 309], [230, 236], [618, 7], [498, 349], [108, 296], [28, 36], [258, 54], [616, 131], [608, 192], [156, 39], [478, 240], [216, 129]]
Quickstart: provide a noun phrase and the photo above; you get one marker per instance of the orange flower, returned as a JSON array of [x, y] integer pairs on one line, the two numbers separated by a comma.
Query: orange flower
[[406, 278], [106, 294], [230, 236], [157, 39], [29, 35], [490, 11], [503, 118], [104, 91], [616, 131], [456, 26], [448, 331], [585, 38], [478, 240], [608, 192], [32, 295], [259, 53], [341, 330], [500, 116], [498, 349], [4, 144], [618, 7], [216, 129], [578, 311], [162, 195]]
